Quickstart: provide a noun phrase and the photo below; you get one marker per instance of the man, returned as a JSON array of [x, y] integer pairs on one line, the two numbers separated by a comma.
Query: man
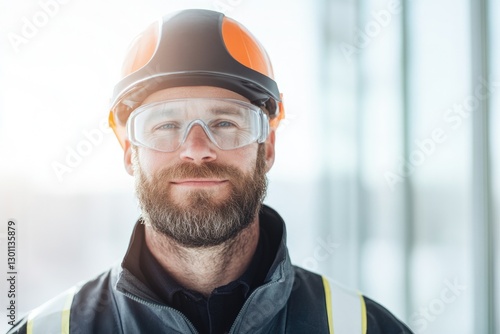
[[196, 114]]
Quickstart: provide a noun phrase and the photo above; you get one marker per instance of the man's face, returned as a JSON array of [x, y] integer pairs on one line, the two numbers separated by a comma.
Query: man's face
[[200, 195]]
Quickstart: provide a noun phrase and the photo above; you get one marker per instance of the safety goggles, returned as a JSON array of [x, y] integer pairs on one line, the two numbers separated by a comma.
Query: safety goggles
[[229, 124]]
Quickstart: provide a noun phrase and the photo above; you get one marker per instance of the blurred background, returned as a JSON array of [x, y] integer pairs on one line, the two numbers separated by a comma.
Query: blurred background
[[387, 169]]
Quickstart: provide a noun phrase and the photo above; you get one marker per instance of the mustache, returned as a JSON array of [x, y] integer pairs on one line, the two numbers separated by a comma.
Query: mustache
[[205, 170]]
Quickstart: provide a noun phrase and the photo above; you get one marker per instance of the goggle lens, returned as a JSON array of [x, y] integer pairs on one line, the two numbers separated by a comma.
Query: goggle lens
[[228, 123]]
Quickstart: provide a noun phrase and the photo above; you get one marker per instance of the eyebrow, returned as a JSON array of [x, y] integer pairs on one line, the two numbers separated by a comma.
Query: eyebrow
[[213, 109], [223, 111]]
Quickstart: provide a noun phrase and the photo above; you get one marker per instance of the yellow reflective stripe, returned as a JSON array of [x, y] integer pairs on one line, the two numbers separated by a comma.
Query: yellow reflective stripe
[[53, 316], [363, 314], [66, 313], [328, 300], [29, 328]]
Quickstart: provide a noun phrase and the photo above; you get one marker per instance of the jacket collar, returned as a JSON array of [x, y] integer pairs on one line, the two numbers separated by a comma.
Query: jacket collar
[[260, 307]]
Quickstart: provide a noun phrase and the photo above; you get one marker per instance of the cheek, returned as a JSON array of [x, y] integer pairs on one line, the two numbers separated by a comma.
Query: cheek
[[152, 161], [244, 158]]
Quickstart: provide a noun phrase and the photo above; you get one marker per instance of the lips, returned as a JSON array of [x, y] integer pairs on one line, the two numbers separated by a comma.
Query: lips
[[199, 182]]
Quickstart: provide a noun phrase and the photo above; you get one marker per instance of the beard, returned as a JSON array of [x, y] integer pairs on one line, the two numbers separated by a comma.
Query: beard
[[201, 221]]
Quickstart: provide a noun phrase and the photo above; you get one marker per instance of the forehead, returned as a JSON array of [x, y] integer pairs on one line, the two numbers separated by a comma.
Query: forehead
[[193, 92]]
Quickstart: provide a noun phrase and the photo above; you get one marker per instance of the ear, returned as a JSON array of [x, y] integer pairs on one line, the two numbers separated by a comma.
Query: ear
[[127, 157], [269, 144]]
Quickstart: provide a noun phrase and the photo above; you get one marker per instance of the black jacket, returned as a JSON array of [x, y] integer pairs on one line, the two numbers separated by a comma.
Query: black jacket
[[291, 300]]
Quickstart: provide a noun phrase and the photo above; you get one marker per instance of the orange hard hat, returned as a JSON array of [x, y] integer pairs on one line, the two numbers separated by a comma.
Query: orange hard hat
[[195, 48]]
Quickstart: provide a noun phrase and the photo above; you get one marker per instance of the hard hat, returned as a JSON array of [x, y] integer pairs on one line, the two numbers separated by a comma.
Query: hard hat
[[195, 48]]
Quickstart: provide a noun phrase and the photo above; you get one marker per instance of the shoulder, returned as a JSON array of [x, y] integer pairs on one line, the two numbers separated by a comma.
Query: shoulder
[[346, 311], [380, 320], [58, 314], [353, 305], [52, 316]]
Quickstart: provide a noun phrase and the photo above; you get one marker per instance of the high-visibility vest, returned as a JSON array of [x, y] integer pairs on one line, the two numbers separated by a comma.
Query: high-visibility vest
[[345, 309]]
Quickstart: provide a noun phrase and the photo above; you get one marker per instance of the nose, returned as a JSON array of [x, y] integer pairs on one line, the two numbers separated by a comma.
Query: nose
[[197, 147]]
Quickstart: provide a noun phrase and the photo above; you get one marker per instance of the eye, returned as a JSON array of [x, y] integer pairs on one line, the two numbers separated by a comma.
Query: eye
[[166, 126], [224, 124]]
